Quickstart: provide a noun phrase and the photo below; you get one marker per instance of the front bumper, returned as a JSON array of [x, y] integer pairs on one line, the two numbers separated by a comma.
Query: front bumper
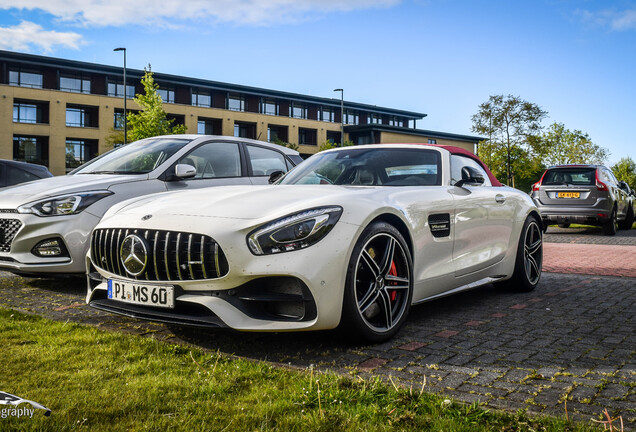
[[73, 231], [299, 290]]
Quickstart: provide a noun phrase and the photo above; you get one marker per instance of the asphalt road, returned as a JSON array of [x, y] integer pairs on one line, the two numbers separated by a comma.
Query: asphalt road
[[573, 338]]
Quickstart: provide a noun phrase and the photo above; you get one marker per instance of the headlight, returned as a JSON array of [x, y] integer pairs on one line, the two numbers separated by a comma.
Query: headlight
[[293, 232], [64, 204]]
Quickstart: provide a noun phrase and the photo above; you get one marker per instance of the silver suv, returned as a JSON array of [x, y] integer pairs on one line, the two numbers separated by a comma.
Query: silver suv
[[45, 225], [585, 194]]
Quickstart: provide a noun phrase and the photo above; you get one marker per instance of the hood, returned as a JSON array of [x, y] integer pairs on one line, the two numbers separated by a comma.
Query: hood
[[15, 196], [244, 202]]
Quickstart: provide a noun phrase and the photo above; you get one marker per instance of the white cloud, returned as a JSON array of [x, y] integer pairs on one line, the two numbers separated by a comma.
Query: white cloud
[[164, 12], [625, 20], [615, 20], [26, 35]]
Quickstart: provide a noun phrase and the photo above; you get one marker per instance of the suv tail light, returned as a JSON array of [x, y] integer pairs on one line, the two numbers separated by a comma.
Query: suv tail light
[[535, 187], [600, 185]]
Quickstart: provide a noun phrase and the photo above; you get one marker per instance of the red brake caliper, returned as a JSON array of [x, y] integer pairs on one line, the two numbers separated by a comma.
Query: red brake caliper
[[393, 272]]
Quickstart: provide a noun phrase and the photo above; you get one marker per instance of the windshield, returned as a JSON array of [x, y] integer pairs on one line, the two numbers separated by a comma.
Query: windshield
[[139, 157], [370, 167]]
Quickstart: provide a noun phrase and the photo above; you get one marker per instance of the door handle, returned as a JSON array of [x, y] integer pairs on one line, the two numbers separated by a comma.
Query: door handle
[[500, 198]]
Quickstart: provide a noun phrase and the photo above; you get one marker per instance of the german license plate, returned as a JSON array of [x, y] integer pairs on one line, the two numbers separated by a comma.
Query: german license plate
[[141, 293], [568, 194]]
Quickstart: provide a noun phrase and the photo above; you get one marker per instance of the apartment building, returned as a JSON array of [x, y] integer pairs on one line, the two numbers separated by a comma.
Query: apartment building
[[59, 113]]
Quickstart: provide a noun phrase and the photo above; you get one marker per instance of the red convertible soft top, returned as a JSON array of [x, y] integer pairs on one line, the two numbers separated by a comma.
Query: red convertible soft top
[[464, 152]]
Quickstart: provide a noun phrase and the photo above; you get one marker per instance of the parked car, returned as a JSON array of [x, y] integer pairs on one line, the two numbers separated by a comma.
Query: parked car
[[16, 172], [352, 237], [584, 194], [45, 225]]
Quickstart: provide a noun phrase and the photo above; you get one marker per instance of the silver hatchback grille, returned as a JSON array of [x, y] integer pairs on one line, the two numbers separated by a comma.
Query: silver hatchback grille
[[8, 230], [172, 255]]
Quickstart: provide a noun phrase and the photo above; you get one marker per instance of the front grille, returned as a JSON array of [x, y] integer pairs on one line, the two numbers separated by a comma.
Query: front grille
[[8, 230], [171, 255]]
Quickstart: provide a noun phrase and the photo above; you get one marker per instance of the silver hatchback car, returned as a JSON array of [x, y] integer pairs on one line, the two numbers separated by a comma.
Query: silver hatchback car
[[45, 225], [585, 194]]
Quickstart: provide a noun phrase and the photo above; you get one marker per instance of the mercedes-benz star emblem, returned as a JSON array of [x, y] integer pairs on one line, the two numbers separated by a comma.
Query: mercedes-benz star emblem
[[134, 254]]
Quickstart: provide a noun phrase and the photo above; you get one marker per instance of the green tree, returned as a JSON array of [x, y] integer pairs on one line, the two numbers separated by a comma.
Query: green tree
[[280, 142], [328, 145], [152, 119], [508, 121], [560, 146], [625, 170]]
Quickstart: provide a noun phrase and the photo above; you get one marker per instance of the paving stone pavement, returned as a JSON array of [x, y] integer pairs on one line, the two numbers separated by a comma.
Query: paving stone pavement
[[571, 340]]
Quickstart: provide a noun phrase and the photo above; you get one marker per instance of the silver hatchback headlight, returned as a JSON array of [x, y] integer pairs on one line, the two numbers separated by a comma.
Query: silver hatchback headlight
[[63, 205]]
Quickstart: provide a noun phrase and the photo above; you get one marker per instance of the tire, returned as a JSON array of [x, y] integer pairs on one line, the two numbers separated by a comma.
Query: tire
[[629, 219], [379, 285], [610, 227], [529, 259], [564, 225]]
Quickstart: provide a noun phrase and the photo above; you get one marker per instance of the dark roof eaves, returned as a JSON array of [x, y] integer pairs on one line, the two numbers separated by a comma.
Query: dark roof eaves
[[209, 84]]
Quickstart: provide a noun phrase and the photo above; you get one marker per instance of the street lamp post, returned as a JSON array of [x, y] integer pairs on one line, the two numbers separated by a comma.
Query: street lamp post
[[125, 97], [341, 115]]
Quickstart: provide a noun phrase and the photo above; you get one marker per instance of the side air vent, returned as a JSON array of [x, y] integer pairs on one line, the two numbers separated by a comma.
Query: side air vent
[[439, 224]]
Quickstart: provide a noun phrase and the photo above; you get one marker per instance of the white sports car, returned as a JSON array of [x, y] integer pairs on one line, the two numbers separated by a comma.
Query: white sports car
[[352, 237]]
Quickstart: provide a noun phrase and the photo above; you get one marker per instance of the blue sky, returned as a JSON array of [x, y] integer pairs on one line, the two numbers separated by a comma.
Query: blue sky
[[574, 58]]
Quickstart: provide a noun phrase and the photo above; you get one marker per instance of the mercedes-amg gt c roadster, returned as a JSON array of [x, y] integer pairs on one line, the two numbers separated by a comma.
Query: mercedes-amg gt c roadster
[[350, 238]]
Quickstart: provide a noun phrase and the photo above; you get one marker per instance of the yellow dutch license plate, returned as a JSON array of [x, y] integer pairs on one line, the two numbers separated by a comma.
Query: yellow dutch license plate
[[568, 194]]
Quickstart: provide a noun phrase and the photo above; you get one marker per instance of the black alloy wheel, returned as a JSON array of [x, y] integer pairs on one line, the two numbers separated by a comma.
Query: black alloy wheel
[[529, 260], [379, 285]]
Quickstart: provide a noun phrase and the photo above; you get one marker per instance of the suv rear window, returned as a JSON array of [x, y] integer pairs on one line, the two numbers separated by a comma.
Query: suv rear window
[[573, 176]]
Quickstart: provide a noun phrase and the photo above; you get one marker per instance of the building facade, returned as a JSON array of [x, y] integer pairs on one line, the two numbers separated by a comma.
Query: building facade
[[60, 113]]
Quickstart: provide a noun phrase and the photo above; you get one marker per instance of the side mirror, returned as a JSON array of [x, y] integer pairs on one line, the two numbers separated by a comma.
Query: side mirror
[[275, 176], [623, 185], [184, 171], [470, 175]]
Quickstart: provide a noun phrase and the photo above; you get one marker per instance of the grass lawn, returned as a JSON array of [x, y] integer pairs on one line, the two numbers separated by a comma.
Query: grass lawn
[[103, 381]]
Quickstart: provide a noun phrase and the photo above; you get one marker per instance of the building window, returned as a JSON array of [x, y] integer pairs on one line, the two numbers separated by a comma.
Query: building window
[[25, 79], [29, 112], [32, 149], [333, 137], [236, 103], [298, 111], [118, 120], [167, 95], [277, 133], [327, 115], [270, 107], [432, 141], [307, 136], [116, 89], [374, 119], [78, 152], [352, 117], [396, 121], [81, 116], [245, 130], [201, 98], [75, 85]]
